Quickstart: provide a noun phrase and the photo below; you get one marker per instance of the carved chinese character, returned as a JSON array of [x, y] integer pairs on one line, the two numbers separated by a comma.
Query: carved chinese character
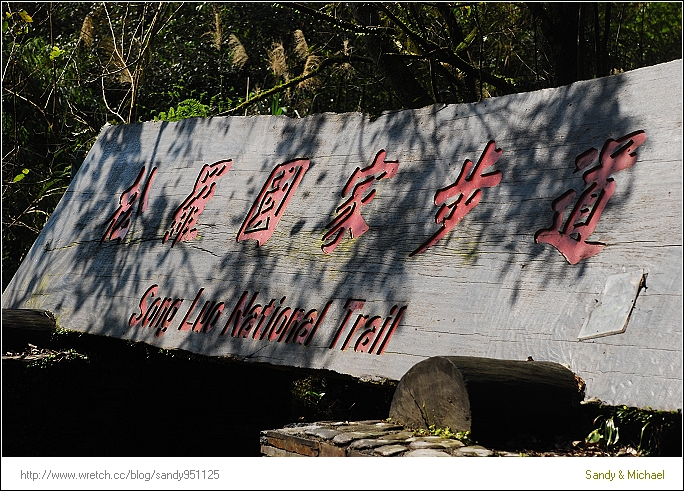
[[185, 217], [120, 221], [468, 192], [269, 206], [349, 213], [570, 238]]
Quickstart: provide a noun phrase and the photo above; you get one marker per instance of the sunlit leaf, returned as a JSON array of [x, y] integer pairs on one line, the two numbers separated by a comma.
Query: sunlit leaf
[[25, 16], [56, 53], [594, 437]]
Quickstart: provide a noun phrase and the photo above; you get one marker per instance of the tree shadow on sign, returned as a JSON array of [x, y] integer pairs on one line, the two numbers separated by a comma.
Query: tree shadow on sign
[[490, 254]]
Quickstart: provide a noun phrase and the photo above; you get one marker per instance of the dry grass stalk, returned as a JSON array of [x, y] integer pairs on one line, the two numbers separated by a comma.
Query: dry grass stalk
[[218, 30], [277, 60], [301, 48], [122, 71], [312, 62], [237, 50], [87, 31]]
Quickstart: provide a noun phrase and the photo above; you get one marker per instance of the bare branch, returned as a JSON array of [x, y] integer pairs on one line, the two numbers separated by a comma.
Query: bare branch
[[445, 55], [347, 26], [294, 81]]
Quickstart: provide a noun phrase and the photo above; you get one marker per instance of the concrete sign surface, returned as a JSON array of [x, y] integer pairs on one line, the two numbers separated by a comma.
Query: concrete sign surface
[[545, 224]]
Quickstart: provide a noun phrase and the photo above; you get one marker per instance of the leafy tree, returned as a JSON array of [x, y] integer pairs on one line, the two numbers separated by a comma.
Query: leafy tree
[[68, 68]]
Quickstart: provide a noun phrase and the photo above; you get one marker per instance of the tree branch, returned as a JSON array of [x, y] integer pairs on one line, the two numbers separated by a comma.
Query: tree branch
[[347, 26], [450, 57], [294, 81]]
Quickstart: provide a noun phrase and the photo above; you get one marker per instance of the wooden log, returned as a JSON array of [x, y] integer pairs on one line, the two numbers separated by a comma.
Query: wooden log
[[21, 326], [494, 399], [28, 319]]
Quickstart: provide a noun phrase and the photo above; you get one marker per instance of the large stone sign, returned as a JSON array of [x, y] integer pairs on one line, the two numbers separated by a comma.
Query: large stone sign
[[544, 225]]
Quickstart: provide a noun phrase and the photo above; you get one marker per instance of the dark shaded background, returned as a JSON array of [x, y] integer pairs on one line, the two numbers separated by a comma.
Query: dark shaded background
[[133, 400]]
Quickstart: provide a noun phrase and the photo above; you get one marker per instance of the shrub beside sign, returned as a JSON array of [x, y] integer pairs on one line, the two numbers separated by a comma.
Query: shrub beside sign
[[543, 224]]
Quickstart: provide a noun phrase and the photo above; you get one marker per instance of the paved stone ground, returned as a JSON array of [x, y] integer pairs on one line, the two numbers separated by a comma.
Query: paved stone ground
[[378, 438]]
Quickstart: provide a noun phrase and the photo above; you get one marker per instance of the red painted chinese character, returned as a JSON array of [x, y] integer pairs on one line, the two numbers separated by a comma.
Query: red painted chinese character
[[120, 221], [570, 239], [349, 217], [186, 215], [272, 201], [468, 191]]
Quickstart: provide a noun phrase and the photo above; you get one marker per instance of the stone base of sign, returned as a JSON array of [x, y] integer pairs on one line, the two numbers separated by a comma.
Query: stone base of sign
[[488, 397], [373, 438]]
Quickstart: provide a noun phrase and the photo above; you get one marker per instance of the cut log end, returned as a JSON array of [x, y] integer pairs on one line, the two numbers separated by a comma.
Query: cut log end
[[490, 398]]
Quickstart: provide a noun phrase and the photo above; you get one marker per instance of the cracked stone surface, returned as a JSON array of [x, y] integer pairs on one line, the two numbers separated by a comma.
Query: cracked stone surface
[[389, 450], [323, 433], [364, 438], [427, 452], [475, 450], [377, 438]]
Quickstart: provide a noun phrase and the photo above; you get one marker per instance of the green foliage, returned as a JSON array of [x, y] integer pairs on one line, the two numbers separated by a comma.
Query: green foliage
[[607, 433], [189, 108], [19, 177], [55, 53], [308, 391], [276, 109], [643, 429], [446, 432]]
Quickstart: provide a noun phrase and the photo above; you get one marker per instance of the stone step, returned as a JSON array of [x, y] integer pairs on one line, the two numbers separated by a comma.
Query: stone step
[[376, 438]]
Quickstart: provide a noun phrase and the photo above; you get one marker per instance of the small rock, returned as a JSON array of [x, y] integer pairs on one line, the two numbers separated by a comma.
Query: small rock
[[365, 428], [389, 450], [402, 435], [388, 426], [451, 443], [474, 450], [299, 430], [367, 443], [419, 444], [345, 438], [324, 433], [425, 439], [426, 452]]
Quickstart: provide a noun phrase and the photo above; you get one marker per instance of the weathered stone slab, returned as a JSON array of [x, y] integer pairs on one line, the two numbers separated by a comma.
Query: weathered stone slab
[[343, 243], [475, 451], [426, 452], [389, 450], [364, 443], [269, 451], [345, 438], [323, 433], [294, 444], [423, 444], [328, 450], [402, 435]]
